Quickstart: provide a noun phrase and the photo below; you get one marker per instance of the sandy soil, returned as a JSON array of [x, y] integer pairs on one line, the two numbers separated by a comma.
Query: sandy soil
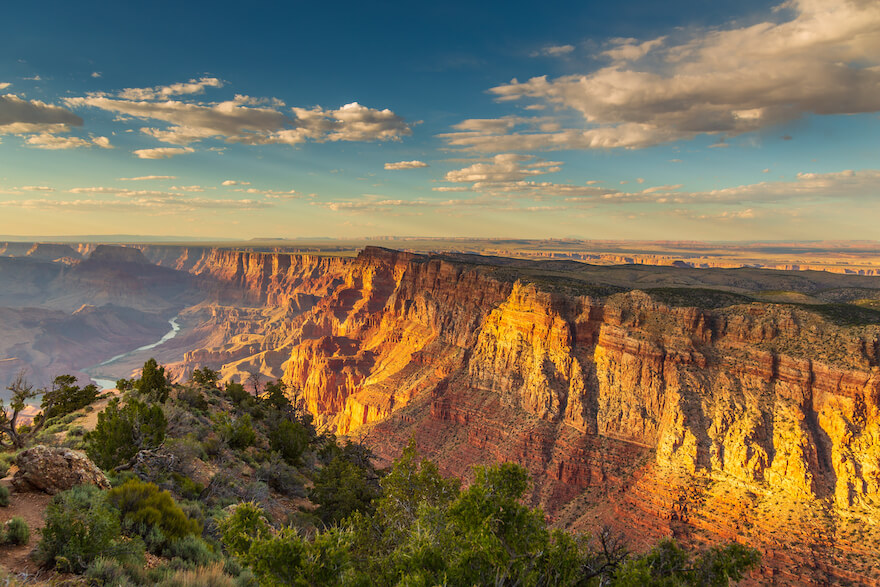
[[30, 506]]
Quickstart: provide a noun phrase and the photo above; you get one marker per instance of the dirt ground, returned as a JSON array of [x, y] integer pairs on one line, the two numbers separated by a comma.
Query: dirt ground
[[31, 506]]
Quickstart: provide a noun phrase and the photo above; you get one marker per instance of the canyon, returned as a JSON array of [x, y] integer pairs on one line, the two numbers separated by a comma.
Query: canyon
[[704, 404]]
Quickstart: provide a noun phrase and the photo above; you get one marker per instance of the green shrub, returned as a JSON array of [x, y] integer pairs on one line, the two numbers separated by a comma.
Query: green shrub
[[239, 434], [76, 432], [212, 444], [187, 488], [80, 527], [122, 432], [6, 460], [205, 377], [153, 514], [245, 524], [4, 496], [237, 393], [212, 576], [194, 399], [281, 477], [191, 549], [290, 439], [17, 531], [107, 571]]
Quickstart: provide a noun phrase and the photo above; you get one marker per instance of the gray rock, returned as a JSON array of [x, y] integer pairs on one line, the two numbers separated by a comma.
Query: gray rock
[[55, 469]]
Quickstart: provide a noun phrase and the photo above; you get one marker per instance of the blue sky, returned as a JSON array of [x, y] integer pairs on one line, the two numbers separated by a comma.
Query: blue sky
[[734, 120]]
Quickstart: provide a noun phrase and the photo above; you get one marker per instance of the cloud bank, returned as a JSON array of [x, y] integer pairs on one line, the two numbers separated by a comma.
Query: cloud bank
[[821, 57]]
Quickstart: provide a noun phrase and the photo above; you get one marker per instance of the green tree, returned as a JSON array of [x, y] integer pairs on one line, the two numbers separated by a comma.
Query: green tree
[[290, 439], [342, 487], [274, 395], [12, 433], [205, 377], [122, 432], [65, 397], [153, 382], [667, 564]]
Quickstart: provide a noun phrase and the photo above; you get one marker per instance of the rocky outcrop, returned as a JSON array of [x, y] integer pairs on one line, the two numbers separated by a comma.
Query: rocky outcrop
[[55, 469], [117, 254]]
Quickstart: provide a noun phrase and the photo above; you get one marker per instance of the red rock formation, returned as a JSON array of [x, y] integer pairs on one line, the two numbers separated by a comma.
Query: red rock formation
[[755, 422]]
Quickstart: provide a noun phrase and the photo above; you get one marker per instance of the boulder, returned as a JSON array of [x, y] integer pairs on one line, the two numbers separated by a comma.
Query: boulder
[[55, 469]]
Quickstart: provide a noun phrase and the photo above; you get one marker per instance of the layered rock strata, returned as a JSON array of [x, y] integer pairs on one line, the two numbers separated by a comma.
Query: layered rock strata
[[757, 422]]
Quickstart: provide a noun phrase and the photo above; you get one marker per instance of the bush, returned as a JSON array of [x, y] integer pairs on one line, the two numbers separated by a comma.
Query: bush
[[186, 487], [191, 549], [281, 477], [4, 496], [194, 399], [17, 531], [212, 444], [122, 432], [290, 439], [6, 460], [205, 377], [80, 527], [239, 434], [151, 513], [212, 576], [107, 571], [238, 394], [245, 524]]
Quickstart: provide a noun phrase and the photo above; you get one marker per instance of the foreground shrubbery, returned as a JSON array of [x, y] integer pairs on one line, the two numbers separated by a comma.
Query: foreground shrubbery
[[423, 530], [406, 526]]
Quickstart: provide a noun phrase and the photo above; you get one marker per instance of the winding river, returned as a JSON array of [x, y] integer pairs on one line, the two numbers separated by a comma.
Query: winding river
[[103, 383]]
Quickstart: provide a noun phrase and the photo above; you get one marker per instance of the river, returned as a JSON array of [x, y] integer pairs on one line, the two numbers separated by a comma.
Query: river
[[104, 383]]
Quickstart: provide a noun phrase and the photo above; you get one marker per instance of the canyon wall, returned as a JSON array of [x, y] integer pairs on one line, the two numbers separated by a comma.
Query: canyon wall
[[756, 422]]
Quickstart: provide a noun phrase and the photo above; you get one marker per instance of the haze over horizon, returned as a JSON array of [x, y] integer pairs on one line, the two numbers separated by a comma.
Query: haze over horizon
[[735, 121]]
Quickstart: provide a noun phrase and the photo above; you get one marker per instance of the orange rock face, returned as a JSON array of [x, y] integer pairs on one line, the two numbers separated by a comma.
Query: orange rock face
[[755, 422]]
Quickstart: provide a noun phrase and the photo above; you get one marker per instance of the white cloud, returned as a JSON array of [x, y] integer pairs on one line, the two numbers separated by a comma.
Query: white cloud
[[405, 165], [276, 194], [554, 51], [147, 177], [370, 205], [161, 152], [54, 142], [162, 204], [631, 49], [96, 74], [4, 85], [451, 188], [234, 182], [288, 195], [504, 167], [817, 57], [193, 86], [244, 119], [187, 188], [36, 188]]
